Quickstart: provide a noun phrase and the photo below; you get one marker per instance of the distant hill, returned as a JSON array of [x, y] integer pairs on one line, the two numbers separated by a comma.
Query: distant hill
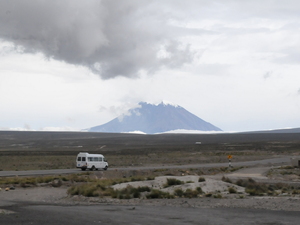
[[151, 119], [281, 131]]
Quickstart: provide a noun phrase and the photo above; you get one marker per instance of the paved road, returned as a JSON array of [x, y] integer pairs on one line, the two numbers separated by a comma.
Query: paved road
[[273, 161]]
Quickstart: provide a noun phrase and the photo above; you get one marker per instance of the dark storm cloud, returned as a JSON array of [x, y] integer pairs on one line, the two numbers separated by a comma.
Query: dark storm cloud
[[112, 38]]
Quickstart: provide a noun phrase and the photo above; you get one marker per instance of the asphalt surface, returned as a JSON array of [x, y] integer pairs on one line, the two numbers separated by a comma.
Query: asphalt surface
[[272, 161]]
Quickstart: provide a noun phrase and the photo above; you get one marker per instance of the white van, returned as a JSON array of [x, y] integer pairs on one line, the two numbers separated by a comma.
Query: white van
[[91, 161]]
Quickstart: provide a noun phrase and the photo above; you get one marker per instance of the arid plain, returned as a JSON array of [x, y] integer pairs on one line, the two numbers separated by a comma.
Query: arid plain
[[185, 194]]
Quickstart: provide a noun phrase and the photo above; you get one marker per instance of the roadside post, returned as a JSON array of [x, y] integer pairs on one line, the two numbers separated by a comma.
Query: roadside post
[[229, 158]]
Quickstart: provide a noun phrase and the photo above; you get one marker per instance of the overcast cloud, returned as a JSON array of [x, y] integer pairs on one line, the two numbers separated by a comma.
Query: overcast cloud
[[70, 64], [110, 37]]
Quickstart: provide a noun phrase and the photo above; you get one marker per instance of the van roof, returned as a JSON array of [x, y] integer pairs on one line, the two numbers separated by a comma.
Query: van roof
[[86, 153]]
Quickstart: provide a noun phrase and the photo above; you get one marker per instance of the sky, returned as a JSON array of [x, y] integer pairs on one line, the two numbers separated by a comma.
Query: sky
[[67, 65]]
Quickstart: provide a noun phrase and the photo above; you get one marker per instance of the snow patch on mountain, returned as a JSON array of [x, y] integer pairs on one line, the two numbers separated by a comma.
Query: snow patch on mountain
[[182, 131], [163, 102]]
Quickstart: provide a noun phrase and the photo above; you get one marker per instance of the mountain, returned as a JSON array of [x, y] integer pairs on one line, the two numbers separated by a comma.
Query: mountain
[[151, 119]]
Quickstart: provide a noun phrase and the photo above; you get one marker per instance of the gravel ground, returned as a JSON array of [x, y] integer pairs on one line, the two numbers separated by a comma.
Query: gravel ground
[[49, 205], [52, 205], [51, 195]]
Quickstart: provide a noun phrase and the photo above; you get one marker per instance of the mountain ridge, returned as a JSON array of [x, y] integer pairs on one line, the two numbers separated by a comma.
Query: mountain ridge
[[151, 119]]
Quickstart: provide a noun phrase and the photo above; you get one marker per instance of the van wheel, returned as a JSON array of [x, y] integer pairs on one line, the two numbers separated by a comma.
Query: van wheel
[[105, 168], [93, 167], [83, 169]]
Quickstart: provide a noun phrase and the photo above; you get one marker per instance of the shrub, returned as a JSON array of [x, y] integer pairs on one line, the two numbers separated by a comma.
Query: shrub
[[79, 178], [74, 190], [87, 190], [178, 192], [271, 193], [190, 193], [46, 179], [256, 189], [226, 179], [296, 192], [129, 192], [287, 167], [201, 179], [90, 191], [245, 183], [218, 196], [172, 182], [240, 182], [132, 179], [64, 179], [159, 194], [250, 180], [143, 189], [107, 192], [199, 189], [232, 190]]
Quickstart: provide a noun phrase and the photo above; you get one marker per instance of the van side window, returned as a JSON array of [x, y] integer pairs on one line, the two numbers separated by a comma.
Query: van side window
[[100, 159], [83, 159], [96, 159], [90, 159], [79, 159]]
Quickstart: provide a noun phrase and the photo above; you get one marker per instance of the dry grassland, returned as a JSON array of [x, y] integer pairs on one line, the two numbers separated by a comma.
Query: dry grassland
[[58, 150]]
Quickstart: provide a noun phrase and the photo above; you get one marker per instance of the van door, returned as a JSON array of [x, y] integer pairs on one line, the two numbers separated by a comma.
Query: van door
[[81, 162], [101, 163]]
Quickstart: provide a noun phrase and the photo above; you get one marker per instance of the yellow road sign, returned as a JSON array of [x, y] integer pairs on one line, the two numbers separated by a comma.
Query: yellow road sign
[[229, 156]]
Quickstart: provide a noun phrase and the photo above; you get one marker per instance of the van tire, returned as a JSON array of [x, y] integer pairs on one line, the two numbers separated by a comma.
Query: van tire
[[105, 168], [92, 168], [83, 169]]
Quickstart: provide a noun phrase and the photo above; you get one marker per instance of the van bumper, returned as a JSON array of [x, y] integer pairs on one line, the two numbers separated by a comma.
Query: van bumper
[[82, 167]]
